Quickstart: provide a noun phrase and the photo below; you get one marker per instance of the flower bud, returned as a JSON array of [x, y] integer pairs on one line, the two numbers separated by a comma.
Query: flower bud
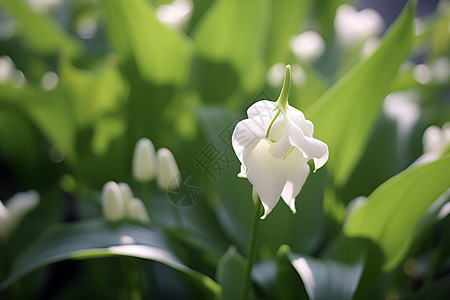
[[169, 177], [143, 168], [127, 195], [113, 203], [138, 212], [16, 208]]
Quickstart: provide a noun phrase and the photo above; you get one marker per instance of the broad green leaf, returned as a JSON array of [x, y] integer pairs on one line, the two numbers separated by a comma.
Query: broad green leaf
[[42, 34], [96, 238], [232, 31], [287, 18], [345, 114], [231, 274], [93, 92], [327, 279], [394, 209], [161, 54], [49, 110]]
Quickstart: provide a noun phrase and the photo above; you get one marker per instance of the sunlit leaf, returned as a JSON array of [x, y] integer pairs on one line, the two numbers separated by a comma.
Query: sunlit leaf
[[42, 34], [327, 279], [232, 31], [344, 116], [394, 209], [95, 238], [161, 54]]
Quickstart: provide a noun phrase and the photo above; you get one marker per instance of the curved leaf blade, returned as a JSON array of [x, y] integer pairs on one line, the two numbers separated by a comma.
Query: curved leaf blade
[[96, 238], [346, 113], [394, 209]]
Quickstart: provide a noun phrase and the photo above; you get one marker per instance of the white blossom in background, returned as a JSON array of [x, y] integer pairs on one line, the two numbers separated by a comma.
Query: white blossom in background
[[6, 68], [137, 211], [42, 6], [436, 142], [169, 177], [273, 146], [403, 107], [308, 46], [370, 46], [354, 27], [49, 80], [144, 161], [175, 14], [275, 75], [422, 73], [440, 70], [87, 28], [112, 202], [15, 209], [127, 195]]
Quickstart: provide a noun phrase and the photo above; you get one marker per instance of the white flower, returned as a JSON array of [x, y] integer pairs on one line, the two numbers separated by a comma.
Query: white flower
[[308, 46], [175, 14], [274, 145], [16, 208], [137, 211], [354, 27], [169, 177], [112, 201], [143, 168], [436, 142]]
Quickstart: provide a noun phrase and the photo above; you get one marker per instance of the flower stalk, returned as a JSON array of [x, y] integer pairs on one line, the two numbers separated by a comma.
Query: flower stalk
[[252, 247]]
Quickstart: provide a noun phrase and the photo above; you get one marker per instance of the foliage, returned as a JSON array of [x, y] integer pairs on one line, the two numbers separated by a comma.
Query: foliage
[[82, 81]]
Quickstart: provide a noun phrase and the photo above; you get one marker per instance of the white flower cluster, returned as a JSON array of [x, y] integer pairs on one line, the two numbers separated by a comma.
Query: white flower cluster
[[120, 204], [147, 165]]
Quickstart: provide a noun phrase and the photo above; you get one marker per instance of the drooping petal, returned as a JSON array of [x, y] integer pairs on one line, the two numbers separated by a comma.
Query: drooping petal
[[298, 118], [266, 174], [297, 170], [263, 108], [309, 146], [247, 134]]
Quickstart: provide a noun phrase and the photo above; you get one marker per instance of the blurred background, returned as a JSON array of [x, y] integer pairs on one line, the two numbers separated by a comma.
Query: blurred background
[[81, 81]]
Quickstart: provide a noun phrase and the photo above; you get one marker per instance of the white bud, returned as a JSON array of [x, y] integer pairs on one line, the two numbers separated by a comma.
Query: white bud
[[16, 208], [138, 211], [144, 161], [112, 200], [169, 177], [127, 195]]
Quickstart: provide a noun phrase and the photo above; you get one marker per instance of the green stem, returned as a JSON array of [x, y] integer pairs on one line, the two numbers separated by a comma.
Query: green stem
[[251, 251], [283, 98]]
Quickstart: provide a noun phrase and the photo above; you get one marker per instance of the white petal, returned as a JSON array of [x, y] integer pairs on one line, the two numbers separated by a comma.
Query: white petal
[[297, 171], [298, 118], [247, 134], [309, 146], [263, 108], [266, 174]]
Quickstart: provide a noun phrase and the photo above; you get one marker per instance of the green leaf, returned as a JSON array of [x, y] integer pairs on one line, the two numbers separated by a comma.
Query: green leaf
[[287, 19], [96, 238], [42, 34], [327, 279], [345, 114], [232, 31], [161, 54], [393, 211], [231, 274], [49, 110]]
